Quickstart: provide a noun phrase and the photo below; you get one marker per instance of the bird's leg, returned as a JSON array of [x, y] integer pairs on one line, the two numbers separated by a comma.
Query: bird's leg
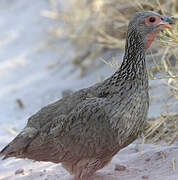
[[85, 168], [81, 176]]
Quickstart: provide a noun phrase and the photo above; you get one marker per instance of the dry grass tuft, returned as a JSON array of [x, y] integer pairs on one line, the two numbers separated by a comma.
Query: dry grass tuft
[[164, 128]]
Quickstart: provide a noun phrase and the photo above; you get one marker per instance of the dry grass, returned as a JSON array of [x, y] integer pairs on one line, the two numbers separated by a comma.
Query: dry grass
[[164, 128], [94, 26]]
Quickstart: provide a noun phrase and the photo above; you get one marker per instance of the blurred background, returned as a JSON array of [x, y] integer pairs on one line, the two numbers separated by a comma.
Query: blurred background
[[49, 48]]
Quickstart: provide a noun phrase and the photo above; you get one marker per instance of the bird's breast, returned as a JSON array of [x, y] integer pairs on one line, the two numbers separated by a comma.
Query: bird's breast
[[129, 115]]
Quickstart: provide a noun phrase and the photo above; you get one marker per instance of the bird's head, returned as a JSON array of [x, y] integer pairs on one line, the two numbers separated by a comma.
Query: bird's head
[[146, 24]]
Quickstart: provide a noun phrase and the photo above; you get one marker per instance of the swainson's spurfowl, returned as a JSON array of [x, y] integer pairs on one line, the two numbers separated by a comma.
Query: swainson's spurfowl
[[84, 130]]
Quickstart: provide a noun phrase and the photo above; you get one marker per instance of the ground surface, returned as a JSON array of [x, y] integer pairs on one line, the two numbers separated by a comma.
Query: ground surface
[[27, 75]]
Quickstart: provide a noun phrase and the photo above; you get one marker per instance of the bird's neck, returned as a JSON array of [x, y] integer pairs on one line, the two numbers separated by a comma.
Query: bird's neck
[[134, 65]]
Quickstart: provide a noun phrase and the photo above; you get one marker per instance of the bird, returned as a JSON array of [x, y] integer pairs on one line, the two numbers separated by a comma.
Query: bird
[[85, 129]]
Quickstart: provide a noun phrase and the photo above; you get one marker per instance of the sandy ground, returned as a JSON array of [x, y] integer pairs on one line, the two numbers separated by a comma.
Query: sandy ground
[[28, 74]]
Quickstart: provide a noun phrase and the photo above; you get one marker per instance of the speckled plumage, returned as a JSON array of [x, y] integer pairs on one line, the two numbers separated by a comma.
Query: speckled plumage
[[84, 130]]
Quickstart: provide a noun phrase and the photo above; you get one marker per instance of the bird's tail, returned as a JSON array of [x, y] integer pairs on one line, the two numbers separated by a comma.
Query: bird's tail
[[19, 144]]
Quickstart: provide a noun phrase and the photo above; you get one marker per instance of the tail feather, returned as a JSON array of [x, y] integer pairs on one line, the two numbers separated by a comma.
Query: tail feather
[[3, 154], [19, 144]]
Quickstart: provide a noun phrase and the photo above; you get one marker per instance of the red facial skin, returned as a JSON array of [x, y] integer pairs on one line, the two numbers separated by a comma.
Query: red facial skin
[[158, 22], [150, 38]]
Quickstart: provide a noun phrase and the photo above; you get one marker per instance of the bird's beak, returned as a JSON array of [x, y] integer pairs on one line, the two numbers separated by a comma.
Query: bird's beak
[[166, 22]]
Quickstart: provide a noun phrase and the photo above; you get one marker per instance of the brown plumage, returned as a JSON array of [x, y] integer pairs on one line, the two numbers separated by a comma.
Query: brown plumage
[[84, 130]]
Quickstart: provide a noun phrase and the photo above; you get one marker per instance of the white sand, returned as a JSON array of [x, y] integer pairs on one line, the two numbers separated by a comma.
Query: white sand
[[25, 75]]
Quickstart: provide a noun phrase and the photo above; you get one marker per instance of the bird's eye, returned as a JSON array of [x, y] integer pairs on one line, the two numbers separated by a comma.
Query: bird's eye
[[152, 19]]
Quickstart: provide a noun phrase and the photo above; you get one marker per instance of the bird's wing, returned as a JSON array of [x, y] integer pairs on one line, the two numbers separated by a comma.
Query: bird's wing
[[53, 115], [45, 117], [61, 107], [84, 132]]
